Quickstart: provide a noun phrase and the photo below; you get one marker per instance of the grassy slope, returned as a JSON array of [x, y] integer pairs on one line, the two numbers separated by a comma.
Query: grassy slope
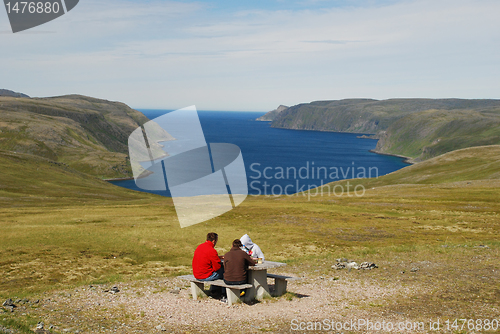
[[30, 181], [60, 227], [88, 134], [475, 163], [431, 133], [50, 213]]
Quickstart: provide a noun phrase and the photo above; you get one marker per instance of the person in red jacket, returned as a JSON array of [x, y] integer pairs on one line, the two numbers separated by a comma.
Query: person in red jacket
[[206, 262]]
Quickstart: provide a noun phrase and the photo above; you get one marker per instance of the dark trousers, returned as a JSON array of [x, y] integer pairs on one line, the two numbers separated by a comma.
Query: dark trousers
[[235, 283]]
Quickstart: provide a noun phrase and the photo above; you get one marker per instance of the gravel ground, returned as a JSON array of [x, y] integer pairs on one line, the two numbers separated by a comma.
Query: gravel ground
[[401, 292], [165, 305]]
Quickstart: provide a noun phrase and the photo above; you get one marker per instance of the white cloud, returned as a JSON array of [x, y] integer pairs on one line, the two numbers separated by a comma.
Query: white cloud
[[171, 54]]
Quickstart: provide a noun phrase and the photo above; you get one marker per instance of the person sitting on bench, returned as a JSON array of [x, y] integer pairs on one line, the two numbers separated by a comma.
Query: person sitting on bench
[[252, 249], [206, 262], [236, 263]]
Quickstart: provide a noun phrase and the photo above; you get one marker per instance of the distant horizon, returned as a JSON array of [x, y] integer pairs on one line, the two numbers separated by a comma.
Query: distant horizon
[[201, 110], [253, 110], [342, 99]]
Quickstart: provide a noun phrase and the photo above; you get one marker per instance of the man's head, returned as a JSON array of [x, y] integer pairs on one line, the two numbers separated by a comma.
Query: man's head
[[213, 237], [237, 243]]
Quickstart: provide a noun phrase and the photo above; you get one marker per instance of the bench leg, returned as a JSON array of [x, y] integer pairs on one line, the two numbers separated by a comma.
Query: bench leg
[[233, 296], [197, 290], [279, 286]]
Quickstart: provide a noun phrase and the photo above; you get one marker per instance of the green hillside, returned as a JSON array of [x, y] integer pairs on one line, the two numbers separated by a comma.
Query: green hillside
[[85, 133], [366, 115], [469, 164], [53, 213], [432, 228], [28, 180], [431, 133], [63, 230], [416, 128]]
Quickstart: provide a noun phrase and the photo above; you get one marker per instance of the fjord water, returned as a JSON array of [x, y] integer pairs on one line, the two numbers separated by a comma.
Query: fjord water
[[279, 161]]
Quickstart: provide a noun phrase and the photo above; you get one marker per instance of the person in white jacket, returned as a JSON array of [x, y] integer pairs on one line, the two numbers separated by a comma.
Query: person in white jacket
[[252, 249]]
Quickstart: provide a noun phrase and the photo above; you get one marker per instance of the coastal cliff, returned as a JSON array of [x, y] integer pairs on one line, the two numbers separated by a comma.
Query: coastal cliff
[[416, 128], [273, 114]]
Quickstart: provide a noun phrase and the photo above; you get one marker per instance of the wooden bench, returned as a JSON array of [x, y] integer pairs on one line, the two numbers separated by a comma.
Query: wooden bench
[[280, 283], [232, 291]]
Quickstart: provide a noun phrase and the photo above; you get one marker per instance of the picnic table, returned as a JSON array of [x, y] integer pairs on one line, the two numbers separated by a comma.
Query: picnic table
[[257, 277], [257, 287]]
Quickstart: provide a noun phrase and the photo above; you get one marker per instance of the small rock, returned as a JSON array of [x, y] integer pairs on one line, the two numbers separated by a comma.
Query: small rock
[[161, 328], [338, 266], [414, 270], [40, 330], [343, 259], [114, 290], [9, 303], [368, 265], [6, 330], [176, 291], [352, 265]]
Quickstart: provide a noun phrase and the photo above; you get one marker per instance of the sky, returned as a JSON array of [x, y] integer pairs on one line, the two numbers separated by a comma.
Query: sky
[[255, 55]]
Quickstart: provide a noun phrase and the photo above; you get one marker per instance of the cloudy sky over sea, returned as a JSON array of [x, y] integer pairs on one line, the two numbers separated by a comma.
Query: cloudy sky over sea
[[255, 55]]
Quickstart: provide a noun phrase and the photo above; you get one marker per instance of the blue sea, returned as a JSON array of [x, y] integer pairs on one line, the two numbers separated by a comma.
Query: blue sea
[[282, 161]]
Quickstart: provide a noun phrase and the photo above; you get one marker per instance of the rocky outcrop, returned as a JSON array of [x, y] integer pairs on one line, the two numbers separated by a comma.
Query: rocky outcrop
[[271, 116], [10, 93], [349, 264]]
